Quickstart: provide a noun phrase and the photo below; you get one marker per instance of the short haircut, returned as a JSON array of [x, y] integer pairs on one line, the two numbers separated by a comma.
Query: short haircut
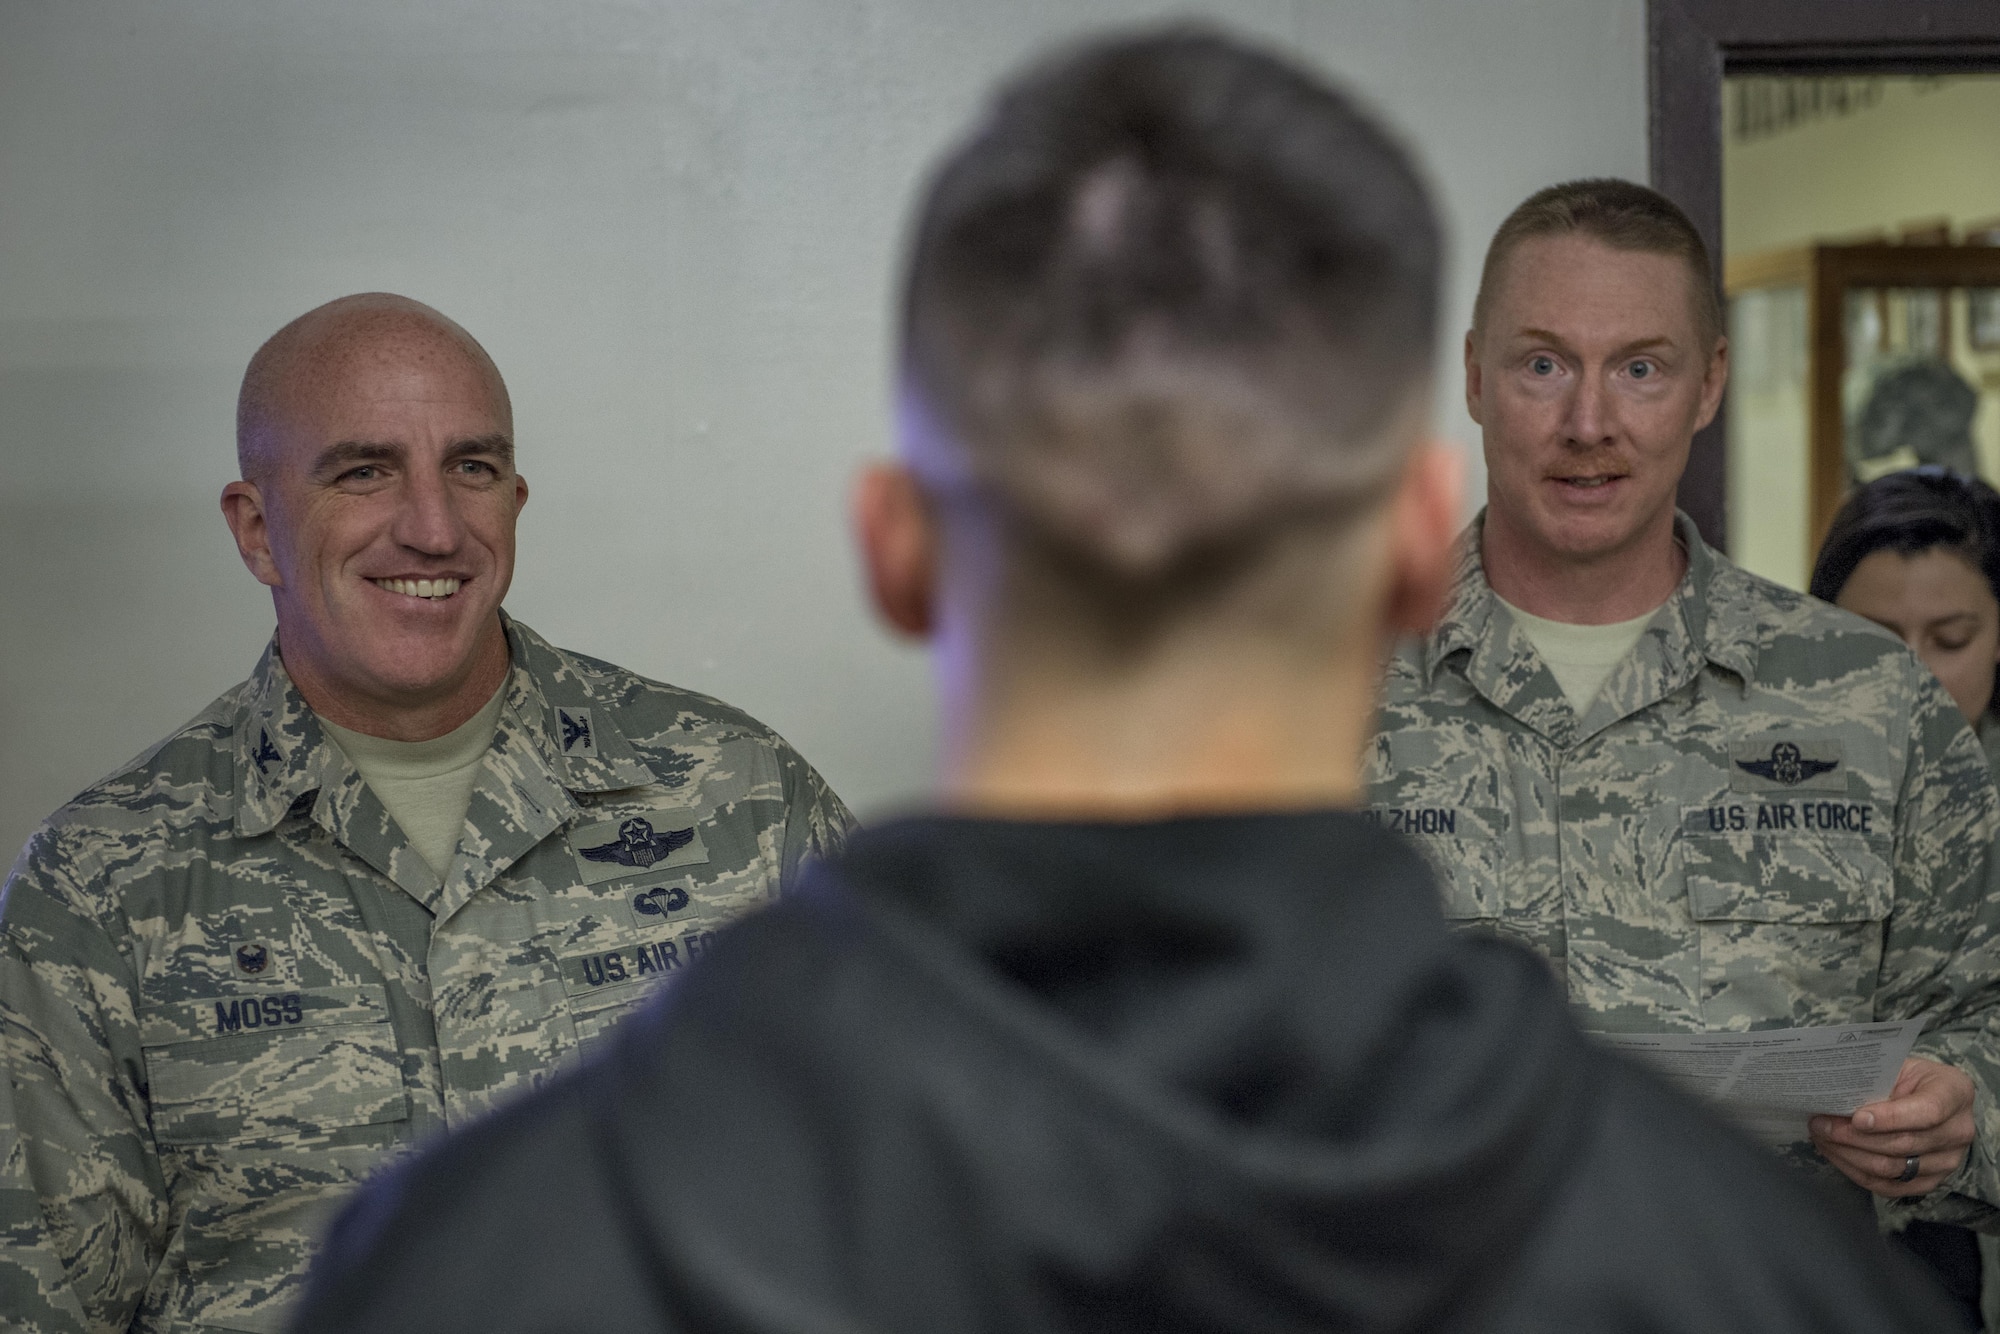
[[1171, 293], [1917, 510], [1620, 214]]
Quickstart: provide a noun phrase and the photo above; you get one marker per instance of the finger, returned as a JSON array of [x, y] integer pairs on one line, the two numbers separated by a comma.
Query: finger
[[1866, 1174], [1899, 1145], [1955, 1132], [1926, 1093], [1921, 1110], [1880, 1173], [1889, 1167], [1952, 1139], [1908, 1076]]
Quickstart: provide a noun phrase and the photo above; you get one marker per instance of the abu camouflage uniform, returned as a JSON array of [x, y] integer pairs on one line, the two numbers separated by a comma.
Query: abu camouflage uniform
[[1771, 816], [230, 989]]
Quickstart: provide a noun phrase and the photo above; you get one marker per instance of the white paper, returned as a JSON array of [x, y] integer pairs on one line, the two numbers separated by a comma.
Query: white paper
[[1772, 1081]]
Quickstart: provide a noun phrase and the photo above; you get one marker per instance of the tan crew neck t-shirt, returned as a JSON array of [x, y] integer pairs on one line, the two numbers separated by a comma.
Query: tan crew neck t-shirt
[[426, 786], [1579, 656]]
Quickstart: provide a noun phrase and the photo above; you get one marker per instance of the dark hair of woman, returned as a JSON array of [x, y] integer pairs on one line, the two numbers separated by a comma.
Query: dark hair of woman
[[1911, 512]]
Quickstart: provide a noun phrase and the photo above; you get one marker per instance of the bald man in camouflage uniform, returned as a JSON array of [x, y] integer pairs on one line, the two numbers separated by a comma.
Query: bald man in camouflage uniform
[[231, 986], [1758, 811]]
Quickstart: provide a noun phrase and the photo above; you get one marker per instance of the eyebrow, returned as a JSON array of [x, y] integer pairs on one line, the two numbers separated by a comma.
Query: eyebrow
[[349, 453], [496, 445], [1636, 345]]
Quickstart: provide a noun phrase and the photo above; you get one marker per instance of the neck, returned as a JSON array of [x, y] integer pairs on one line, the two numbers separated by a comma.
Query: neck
[[1196, 733], [1596, 588], [411, 716]]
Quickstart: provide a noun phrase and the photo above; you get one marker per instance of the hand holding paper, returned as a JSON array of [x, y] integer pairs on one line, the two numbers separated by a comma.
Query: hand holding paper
[[1928, 1115], [1773, 1081]]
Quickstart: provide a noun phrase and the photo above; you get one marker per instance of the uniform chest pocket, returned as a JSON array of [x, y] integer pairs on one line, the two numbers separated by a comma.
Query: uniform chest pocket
[[266, 1063], [1465, 845], [1800, 861], [602, 986], [1789, 916]]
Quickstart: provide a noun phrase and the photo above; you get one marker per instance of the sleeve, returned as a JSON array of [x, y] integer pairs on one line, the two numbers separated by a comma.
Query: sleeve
[[83, 1205], [1941, 950], [817, 822]]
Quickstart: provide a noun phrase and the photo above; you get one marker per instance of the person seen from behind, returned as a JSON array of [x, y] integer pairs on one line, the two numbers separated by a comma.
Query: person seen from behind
[[1145, 1026]]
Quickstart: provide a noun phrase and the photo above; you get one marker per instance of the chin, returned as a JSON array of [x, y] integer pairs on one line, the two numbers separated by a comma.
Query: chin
[[1586, 535], [420, 664], [1591, 539]]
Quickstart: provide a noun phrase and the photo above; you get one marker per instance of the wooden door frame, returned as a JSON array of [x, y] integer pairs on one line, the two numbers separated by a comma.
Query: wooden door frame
[[1692, 44]]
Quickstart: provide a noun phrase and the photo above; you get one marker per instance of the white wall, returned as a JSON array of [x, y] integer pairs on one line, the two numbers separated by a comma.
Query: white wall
[[673, 222]]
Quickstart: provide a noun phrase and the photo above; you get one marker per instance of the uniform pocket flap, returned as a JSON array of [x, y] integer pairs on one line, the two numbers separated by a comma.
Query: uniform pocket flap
[[1798, 873], [1465, 845], [314, 1060], [249, 1009], [1801, 901], [615, 976]]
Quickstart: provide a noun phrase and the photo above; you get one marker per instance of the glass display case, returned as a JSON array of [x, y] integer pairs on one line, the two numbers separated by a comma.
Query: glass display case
[[1848, 362]]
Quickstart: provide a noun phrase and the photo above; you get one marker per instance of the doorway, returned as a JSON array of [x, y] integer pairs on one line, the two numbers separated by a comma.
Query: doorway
[[1785, 67]]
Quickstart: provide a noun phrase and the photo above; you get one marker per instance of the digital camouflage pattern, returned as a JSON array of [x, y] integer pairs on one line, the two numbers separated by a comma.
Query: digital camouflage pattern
[[1771, 816], [230, 989]]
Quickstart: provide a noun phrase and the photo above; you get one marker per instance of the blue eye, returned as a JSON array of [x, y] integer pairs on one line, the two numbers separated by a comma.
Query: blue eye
[[1642, 370], [1542, 365]]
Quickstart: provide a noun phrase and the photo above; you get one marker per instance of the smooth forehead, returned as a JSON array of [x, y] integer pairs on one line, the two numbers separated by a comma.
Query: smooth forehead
[[1574, 281], [1920, 581], [349, 355]]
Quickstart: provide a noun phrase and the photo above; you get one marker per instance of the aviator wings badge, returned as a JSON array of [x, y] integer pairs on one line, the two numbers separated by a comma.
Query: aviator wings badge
[[1787, 765], [637, 845], [633, 843]]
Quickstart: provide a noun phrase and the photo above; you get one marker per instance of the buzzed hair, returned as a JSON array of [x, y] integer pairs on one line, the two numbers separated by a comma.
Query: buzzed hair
[[285, 354], [1172, 292], [1621, 214]]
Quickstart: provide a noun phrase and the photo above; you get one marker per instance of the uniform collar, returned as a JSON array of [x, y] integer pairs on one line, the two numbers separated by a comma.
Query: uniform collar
[[282, 755], [566, 707], [1708, 619], [1727, 619], [556, 720]]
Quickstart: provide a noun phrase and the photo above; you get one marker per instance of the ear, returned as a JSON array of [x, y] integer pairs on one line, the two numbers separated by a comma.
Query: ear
[[1423, 526], [898, 542], [1713, 383], [243, 510], [1474, 378]]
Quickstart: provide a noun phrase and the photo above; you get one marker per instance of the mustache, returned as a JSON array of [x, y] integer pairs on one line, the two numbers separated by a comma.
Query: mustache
[[1603, 465]]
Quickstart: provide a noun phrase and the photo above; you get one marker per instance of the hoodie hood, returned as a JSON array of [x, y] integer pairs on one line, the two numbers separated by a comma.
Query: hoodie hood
[[1203, 1075], [1219, 1072]]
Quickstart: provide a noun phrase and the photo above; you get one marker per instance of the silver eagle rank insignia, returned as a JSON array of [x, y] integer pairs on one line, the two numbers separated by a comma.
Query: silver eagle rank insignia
[[576, 733]]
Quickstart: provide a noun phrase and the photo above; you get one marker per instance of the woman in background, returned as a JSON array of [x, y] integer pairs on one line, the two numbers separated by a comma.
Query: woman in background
[[1918, 553]]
